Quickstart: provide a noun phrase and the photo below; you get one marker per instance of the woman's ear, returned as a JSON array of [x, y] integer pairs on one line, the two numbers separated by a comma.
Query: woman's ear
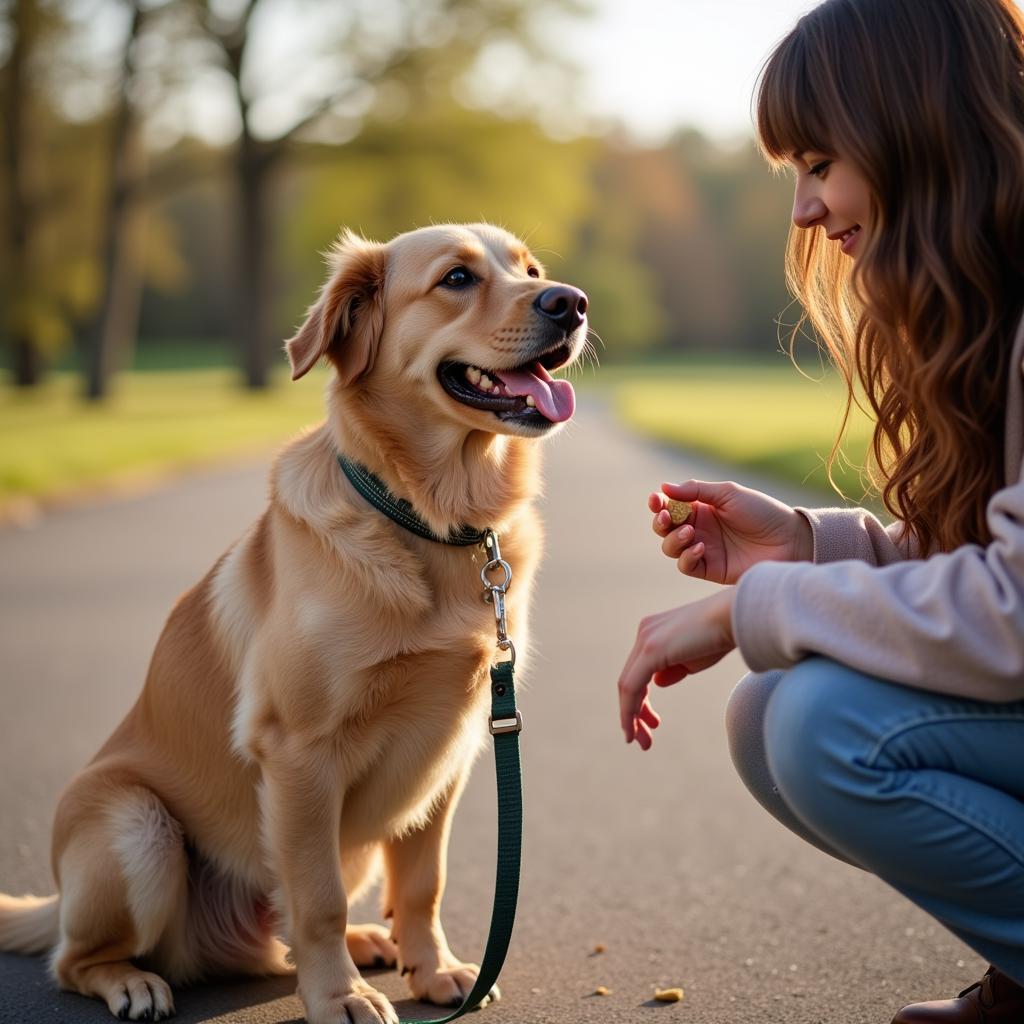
[[347, 319]]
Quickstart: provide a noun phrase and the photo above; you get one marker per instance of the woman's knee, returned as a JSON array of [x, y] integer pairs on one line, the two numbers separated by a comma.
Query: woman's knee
[[745, 711], [744, 727], [744, 722], [817, 725]]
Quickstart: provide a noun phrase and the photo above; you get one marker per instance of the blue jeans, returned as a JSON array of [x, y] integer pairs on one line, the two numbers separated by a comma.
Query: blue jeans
[[923, 790]]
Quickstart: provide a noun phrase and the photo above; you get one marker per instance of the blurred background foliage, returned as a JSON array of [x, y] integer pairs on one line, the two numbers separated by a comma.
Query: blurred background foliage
[[172, 170], [132, 225]]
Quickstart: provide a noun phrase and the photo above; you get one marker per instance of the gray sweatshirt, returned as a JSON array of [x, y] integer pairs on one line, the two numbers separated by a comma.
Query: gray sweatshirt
[[952, 623]]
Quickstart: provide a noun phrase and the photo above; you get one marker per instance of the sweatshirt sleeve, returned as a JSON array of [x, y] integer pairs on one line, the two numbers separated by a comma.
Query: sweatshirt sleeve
[[842, 533], [952, 623]]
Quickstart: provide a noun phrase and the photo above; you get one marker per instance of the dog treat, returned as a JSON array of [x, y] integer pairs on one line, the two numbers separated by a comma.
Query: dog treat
[[599, 948], [668, 995], [679, 511], [602, 991]]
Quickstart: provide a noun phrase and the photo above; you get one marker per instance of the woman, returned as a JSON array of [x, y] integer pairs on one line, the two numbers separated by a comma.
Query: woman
[[885, 723]]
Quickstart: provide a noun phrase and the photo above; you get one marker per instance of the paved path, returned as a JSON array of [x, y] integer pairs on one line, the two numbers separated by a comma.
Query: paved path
[[663, 857]]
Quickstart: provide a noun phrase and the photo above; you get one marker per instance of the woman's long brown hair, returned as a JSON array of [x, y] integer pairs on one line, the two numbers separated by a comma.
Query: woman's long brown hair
[[926, 98]]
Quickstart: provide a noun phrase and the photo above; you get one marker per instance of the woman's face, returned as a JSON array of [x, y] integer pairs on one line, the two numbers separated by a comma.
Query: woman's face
[[833, 195]]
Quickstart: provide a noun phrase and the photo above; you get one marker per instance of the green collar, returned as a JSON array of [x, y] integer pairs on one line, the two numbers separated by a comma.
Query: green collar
[[376, 492]]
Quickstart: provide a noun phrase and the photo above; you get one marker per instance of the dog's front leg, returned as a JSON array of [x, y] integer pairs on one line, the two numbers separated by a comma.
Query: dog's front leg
[[415, 867], [302, 798]]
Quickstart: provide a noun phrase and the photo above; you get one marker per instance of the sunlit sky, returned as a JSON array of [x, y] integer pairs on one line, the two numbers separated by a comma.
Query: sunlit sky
[[656, 64], [649, 65]]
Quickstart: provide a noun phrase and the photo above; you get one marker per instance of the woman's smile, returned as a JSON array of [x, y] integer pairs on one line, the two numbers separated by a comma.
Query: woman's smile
[[847, 239]]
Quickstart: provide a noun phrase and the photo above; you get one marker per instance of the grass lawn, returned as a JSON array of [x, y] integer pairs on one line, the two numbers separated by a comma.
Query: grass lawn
[[765, 416], [751, 414], [54, 444]]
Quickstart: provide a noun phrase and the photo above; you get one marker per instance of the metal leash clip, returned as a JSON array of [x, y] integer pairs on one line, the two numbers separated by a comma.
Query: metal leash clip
[[494, 593]]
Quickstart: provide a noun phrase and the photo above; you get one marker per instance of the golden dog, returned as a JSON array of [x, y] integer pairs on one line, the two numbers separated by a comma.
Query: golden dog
[[314, 704]]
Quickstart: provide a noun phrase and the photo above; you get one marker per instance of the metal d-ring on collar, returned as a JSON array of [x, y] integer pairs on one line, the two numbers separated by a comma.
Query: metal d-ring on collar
[[494, 593], [400, 511]]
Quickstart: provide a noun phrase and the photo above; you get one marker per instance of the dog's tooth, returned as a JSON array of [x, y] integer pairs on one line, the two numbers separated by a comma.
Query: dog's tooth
[[485, 382], [473, 374], [495, 390], [530, 401]]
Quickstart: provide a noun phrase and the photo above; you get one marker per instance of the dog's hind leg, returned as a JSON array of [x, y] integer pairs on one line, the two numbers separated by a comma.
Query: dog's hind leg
[[122, 869], [231, 924]]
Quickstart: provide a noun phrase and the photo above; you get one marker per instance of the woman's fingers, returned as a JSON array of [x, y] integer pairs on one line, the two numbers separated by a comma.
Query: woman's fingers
[[643, 735], [711, 493], [674, 542], [662, 522], [633, 683], [643, 723], [688, 553], [648, 715], [686, 491], [668, 646], [637, 717], [691, 560], [668, 676]]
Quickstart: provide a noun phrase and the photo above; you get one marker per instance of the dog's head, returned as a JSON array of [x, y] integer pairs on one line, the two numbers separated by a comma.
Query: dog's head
[[460, 317]]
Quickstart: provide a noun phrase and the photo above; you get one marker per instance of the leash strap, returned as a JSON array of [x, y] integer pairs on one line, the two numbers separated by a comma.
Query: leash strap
[[400, 511], [506, 724]]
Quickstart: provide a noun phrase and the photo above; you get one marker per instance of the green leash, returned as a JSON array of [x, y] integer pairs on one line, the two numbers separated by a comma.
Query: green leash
[[506, 723]]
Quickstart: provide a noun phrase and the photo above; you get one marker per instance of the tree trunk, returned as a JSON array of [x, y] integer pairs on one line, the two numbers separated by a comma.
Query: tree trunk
[[112, 333], [252, 334], [27, 361]]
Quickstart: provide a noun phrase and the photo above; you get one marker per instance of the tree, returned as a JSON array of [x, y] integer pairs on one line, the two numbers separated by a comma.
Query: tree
[[71, 178], [420, 48], [116, 317], [27, 26]]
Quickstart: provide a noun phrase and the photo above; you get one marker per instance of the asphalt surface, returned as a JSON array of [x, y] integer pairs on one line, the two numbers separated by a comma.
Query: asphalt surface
[[663, 858]]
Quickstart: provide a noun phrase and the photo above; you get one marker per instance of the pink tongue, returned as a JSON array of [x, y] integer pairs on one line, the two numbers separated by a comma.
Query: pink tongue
[[555, 399]]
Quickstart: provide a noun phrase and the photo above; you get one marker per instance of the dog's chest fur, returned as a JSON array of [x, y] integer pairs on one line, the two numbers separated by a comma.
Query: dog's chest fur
[[383, 663]]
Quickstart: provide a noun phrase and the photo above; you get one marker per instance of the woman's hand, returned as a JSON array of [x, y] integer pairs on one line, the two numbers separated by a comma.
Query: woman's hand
[[730, 529], [668, 647]]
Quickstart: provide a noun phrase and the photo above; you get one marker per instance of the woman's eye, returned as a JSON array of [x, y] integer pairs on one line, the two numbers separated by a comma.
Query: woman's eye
[[819, 168], [457, 277], [533, 272]]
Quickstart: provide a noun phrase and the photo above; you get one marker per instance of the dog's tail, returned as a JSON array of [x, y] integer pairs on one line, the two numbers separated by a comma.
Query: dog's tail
[[29, 924]]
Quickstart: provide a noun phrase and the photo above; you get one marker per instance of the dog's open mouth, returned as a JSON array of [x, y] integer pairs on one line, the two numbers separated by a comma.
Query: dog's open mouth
[[527, 393]]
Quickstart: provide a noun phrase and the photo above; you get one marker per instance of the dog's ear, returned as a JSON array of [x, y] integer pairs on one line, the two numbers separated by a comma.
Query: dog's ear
[[347, 319]]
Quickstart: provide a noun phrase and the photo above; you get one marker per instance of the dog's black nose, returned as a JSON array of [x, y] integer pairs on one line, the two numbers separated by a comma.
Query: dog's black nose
[[566, 306]]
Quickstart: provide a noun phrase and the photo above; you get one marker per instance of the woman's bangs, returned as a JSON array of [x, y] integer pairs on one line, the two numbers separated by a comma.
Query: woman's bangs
[[790, 119]]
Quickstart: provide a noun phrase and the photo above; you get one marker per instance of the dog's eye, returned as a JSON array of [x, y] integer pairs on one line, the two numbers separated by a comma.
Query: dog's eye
[[533, 272], [458, 277]]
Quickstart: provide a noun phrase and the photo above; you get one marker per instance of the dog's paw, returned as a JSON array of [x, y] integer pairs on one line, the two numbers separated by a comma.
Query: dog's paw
[[139, 995], [370, 945], [361, 1005], [448, 984]]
